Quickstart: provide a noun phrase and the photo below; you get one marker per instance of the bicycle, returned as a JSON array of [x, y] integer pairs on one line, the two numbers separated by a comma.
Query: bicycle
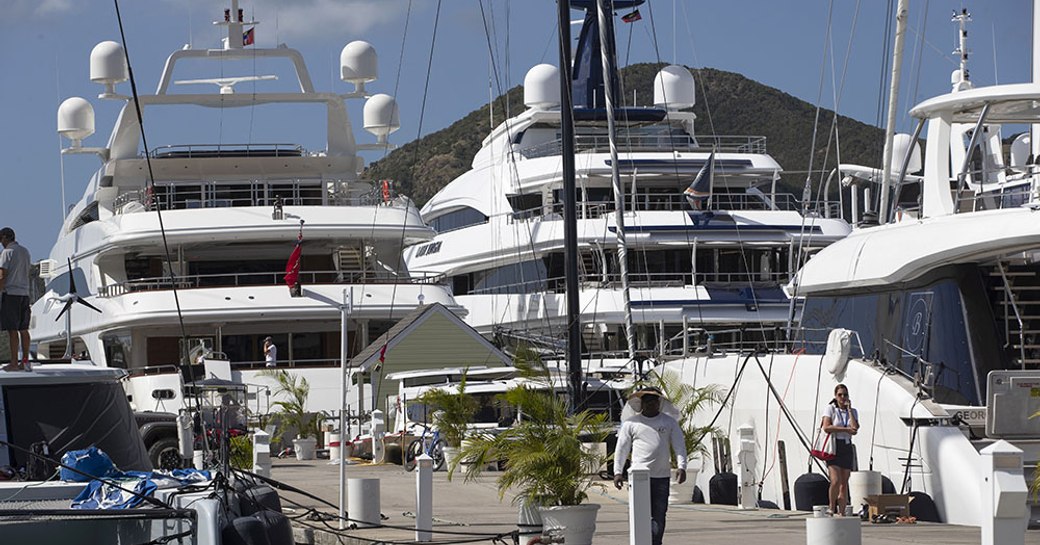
[[432, 445]]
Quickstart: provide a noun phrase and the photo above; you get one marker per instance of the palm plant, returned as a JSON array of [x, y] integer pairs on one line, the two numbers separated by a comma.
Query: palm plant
[[689, 401], [295, 391], [452, 411], [543, 454]]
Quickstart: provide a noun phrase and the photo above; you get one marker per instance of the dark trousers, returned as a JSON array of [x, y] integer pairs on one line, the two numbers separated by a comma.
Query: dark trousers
[[659, 489]]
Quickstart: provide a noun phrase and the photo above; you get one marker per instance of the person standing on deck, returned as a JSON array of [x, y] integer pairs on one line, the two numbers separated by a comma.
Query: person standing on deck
[[648, 436], [270, 353], [15, 264]]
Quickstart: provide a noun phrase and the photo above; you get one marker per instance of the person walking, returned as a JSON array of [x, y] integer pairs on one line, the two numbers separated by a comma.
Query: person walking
[[842, 422], [270, 353], [15, 265], [648, 435]]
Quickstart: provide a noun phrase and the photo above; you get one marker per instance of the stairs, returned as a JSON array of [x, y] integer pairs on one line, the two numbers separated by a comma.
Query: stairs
[[350, 263], [1021, 293], [589, 266]]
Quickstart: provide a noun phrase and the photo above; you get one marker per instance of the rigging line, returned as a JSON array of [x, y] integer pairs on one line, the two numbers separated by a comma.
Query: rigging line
[[873, 428], [797, 354], [919, 54], [886, 58], [819, 100], [404, 41], [61, 158], [816, 398], [151, 186]]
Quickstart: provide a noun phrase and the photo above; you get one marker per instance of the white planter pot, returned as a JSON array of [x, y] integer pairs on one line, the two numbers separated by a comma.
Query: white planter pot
[[304, 448], [578, 522], [450, 454], [683, 493]]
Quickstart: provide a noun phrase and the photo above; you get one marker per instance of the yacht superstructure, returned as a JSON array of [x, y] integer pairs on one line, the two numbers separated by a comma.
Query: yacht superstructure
[[183, 246], [500, 233], [937, 307]]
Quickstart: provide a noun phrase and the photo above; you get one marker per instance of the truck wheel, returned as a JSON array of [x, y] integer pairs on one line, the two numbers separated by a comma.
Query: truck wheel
[[165, 453]]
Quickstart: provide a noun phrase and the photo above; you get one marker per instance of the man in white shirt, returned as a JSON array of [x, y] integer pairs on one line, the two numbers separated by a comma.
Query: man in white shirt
[[15, 265], [270, 353], [648, 436]]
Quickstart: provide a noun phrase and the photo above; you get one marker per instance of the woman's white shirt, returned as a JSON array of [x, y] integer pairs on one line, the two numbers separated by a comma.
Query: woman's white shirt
[[840, 417]]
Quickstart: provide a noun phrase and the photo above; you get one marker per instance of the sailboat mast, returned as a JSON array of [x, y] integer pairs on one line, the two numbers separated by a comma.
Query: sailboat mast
[[575, 381], [609, 59], [902, 10]]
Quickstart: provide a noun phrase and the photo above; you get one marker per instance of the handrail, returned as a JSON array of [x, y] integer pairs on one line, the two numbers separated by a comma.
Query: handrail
[[164, 283], [655, 202], [633, 140], [640, 279]]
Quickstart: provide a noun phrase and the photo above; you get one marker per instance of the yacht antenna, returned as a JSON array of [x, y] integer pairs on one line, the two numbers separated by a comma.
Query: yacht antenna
[[962, 19], [893, 105], [607, 56], [570, 213], [234, 20]]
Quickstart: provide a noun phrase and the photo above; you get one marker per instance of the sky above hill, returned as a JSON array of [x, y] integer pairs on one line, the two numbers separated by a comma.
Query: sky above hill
[[472, 50]]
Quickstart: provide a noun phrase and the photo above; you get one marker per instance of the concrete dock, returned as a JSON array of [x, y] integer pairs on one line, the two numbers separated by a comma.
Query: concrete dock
[[474, 508]]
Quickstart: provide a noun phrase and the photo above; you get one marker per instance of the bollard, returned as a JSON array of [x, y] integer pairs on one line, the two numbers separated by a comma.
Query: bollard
[[262, 453], [746, 459], [638, 506], [423, 498], [1004, 494], [363, 502], [833, 531]]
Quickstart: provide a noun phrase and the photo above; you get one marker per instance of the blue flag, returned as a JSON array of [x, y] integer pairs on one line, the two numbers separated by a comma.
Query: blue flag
[[699, 192]]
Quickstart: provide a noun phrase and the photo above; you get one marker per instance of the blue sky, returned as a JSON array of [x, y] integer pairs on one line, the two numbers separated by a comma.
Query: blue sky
[[45, 47]]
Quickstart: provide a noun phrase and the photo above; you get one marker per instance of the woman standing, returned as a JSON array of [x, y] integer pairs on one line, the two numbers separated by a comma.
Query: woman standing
[[842, 422]]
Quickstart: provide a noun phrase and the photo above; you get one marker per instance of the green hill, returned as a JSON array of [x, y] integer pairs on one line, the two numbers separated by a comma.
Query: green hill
[[738, 106]]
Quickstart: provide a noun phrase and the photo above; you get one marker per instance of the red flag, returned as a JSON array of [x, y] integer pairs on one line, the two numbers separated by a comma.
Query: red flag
[[247, 37], [382, 354], [292, 267], [632, 17]]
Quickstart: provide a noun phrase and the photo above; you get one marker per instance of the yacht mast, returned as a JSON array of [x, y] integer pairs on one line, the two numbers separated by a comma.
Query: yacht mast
[[570, 213], [1034, 130], [609, 59], [893, 105]]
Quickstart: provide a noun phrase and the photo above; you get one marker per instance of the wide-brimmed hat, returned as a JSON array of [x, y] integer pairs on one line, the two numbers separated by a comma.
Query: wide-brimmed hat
[[634, 404]]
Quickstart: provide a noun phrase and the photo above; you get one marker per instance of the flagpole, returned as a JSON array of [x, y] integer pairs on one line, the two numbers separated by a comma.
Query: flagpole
[[344, 309]]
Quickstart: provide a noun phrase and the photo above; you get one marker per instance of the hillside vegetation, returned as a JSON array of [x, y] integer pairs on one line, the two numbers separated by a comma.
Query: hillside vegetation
[[738, 106]]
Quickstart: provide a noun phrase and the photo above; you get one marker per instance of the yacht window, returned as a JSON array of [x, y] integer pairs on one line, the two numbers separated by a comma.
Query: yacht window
[[89, 214], [457, 219], [526, 277], [525, 203]]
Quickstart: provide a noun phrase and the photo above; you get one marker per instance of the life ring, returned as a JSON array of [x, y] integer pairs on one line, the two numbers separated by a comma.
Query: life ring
[[386, 191], [836, 358]]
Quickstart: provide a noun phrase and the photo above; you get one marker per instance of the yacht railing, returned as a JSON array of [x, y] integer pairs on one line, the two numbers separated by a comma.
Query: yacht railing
[[656, 202], [202, 151], [589, 143], [246, 193], [266, 279], [556, 284]]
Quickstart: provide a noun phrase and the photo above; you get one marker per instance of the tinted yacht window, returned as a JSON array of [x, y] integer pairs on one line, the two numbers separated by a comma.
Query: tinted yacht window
[[457, 219]]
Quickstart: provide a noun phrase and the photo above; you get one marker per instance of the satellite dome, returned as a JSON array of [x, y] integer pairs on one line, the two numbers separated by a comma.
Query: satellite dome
[[900, 143], [1020, 150], [75, 120], [359, 64], [674, 88], [542, 87], [108, 65], [381, 116]]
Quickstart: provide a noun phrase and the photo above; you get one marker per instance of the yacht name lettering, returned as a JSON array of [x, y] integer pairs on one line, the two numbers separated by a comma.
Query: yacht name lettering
[[431, 248]]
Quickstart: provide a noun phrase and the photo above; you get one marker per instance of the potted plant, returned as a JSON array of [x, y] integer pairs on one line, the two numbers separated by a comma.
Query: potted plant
[[293, 392], [689, 401], [452, 414], [544, 461]]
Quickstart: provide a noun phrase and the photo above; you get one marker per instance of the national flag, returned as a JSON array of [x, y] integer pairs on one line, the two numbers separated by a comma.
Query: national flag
[[292, 267], [699, 192], [632, 17], [247, 37]]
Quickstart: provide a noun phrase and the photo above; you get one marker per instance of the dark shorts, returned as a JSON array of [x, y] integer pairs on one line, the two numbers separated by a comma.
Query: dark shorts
[[14, 312], [846, 455]]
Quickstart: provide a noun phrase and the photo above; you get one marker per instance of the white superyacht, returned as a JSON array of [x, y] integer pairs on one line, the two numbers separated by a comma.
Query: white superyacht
[[183, 245]]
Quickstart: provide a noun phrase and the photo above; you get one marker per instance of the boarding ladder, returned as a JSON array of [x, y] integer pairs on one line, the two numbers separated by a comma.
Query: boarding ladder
[[1016, 306]]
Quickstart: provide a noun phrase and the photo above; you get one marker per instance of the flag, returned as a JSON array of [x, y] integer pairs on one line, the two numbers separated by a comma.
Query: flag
[[699, 192], [247, 37], [292, 267], [632, 17], [382, 354]]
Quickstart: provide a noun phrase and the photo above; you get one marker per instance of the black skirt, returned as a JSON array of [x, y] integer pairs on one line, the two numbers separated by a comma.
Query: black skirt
[[845, 455]]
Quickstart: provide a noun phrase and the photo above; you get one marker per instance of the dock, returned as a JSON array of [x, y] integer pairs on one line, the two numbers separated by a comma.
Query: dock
[[473, 509]]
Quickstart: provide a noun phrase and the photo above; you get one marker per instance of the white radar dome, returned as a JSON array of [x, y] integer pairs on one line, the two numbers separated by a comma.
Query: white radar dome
[[900, 143], [542, 87], [75, 120], [1020, 149], [359, 64], [381, 116], [674, 88], [108, 65]]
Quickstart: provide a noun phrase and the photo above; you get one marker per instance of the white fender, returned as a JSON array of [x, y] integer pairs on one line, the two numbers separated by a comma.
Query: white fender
[[836, 358]]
